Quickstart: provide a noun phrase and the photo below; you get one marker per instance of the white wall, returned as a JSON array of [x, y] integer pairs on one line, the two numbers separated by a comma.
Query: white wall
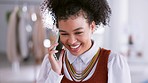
[[138, 22], [128, 17], [135, 21], [116, 34]]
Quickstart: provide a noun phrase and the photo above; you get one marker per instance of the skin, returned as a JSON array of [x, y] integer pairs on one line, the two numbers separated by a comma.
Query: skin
[[75, 34]]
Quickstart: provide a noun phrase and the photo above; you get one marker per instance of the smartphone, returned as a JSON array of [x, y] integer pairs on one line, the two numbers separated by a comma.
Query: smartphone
[[59, 48]]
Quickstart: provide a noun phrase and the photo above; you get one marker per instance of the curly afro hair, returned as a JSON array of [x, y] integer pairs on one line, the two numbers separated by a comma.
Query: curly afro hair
[[93, 10]]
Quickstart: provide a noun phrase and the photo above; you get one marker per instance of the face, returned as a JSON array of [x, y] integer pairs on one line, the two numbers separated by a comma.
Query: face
[[75, 34]]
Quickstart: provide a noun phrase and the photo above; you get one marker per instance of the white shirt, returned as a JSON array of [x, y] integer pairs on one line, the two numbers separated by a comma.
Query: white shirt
[[118, 69]]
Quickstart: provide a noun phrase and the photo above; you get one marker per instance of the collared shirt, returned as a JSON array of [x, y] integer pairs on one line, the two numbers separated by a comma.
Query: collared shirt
[[118, 69]]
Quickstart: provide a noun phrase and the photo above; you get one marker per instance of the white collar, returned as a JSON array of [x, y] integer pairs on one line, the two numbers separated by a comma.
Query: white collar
[[85, 57]]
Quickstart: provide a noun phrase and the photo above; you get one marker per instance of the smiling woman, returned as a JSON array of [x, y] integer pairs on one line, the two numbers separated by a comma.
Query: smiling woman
[[82, 60]]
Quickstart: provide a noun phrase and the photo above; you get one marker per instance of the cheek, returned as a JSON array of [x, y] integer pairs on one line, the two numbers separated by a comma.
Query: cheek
[[84, 39], [87, 35], [63, 39]]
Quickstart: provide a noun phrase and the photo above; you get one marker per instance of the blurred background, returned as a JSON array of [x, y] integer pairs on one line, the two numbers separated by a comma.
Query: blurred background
[[23, 38]]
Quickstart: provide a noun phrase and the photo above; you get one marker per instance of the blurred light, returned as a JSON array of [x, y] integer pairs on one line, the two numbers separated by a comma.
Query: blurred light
[[34, 17], [46, 43], [24, 8], [28, 28]]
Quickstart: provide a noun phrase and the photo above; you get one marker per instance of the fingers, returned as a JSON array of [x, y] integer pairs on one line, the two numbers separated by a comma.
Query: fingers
[[51, 49], [51, 52]]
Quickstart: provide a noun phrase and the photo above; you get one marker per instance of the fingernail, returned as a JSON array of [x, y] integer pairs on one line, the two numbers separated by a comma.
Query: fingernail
[[56, 51]]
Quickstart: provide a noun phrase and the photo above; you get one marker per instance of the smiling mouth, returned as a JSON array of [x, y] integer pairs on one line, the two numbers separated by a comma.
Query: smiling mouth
[[74, 47]]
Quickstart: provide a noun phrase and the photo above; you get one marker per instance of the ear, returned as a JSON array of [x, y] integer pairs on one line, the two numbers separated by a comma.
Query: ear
[[93, 26]]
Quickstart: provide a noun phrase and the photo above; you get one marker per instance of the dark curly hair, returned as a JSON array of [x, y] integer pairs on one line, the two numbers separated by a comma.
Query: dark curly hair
[[93, 10]]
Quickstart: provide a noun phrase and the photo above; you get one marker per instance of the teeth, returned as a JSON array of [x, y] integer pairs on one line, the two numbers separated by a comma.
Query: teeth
[[74, 46]]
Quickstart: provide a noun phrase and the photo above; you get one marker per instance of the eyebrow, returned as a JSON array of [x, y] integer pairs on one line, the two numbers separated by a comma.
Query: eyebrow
[[73, 30]]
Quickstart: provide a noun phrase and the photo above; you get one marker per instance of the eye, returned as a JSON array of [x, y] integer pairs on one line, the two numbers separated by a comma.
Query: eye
[[78, 33], [64, 33]]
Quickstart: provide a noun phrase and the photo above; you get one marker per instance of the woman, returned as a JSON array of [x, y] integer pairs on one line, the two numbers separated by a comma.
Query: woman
[[82, 60]]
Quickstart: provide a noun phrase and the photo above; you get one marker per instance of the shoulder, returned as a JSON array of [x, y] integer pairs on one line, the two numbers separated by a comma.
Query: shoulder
[[118, 69], [116, 55], [113, 56], [117, 59]]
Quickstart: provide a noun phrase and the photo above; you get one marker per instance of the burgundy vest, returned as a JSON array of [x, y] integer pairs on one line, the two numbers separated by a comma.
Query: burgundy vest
[[101, 73]]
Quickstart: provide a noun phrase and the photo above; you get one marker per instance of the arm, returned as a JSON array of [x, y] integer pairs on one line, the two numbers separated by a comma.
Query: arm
[[46, 74], [118, 69]]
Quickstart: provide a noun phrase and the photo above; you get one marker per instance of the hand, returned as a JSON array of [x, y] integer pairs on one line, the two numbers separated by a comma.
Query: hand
[[56, 65]]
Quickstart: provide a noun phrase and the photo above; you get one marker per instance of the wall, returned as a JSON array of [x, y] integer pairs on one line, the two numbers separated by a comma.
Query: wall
[[128, 17], [116, 34], [138, 18]]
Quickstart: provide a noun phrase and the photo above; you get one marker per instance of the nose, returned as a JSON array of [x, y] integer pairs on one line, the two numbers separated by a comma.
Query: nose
[[71, 40]]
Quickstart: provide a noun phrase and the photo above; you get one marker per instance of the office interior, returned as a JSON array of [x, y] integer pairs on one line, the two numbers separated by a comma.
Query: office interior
[[24, 38]]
